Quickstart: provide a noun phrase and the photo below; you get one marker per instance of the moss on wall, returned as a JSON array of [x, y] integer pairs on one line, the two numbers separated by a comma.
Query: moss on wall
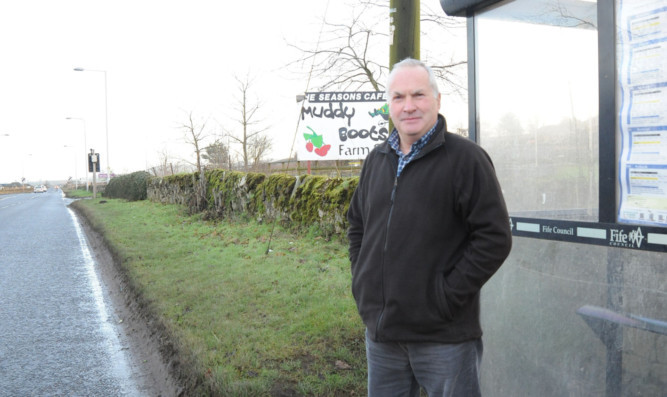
[[272, 197], [303, 202]]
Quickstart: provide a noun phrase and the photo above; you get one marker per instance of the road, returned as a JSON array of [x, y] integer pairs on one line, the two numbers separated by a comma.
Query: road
[[58, 333]]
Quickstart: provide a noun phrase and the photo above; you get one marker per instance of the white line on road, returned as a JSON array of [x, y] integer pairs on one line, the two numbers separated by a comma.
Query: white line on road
[[114, 347]]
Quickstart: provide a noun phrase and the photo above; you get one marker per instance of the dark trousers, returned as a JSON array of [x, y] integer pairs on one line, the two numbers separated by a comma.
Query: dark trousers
[[443, 370]]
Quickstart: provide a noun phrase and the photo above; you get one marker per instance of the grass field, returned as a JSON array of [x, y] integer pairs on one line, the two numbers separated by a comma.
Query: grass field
[[250, 312], [78, 193]]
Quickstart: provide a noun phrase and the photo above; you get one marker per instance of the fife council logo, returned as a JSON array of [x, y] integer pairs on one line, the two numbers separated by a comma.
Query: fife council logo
[[631, 239]]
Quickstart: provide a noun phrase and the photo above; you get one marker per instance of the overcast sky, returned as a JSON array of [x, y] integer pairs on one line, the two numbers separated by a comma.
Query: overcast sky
[[163, 59]]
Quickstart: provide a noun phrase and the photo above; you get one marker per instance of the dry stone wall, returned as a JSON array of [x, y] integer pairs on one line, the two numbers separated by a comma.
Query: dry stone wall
[[304, 201]]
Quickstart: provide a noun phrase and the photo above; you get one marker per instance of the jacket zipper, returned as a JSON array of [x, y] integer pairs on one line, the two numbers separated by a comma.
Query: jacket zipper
[[391, 210]]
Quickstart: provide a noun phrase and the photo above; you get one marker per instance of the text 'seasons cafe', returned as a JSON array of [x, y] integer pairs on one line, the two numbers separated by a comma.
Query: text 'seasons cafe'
[[342, 125]]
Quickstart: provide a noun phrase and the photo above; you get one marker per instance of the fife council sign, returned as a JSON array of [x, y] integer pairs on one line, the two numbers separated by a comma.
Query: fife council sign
[[342, 125]]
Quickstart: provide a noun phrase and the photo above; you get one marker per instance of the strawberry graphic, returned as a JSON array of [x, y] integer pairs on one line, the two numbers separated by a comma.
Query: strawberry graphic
[[316, 142], [322, 151]]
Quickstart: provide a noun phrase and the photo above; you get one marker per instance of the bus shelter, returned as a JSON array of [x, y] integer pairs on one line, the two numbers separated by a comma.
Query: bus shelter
[[569, 97]]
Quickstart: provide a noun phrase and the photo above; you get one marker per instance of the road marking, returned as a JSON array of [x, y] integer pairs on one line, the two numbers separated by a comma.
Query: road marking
[[120, 360]]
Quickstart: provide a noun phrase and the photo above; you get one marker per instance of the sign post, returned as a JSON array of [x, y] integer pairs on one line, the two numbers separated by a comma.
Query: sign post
[[94, 167]]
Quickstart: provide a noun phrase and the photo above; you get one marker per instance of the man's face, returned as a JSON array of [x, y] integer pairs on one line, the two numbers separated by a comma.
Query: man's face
[[412, 106]]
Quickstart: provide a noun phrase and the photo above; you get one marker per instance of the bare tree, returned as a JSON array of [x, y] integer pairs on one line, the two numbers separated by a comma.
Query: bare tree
[[572, 19], [259, 147], [347, 55], [354, 55], [251, 131], [195, 135], [167, 164], [163, 167]]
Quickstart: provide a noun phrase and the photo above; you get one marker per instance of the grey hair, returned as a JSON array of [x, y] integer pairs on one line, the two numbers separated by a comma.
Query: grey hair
[[413, 63]]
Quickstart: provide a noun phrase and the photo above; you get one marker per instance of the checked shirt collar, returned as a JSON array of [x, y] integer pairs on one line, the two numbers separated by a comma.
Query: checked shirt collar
[[404, 159]]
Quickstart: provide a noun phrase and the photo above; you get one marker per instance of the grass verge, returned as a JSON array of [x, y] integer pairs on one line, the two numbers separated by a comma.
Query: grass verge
[[244, 322], [78, 193]]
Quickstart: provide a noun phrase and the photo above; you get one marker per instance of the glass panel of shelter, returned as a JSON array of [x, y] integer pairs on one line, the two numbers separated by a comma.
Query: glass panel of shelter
[[538, 105]]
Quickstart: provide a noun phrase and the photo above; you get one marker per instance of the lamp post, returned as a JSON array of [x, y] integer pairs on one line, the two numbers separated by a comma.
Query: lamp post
[[76, 178], [106, 114], [93, 160], [85, 145]]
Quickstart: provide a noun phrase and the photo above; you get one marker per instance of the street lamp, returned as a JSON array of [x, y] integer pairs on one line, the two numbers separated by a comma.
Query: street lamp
[[76, 178], [85, 145], [106, 113]]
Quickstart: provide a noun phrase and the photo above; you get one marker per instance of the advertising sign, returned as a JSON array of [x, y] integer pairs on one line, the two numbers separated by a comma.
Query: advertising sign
[[341, 125], [642, 82]]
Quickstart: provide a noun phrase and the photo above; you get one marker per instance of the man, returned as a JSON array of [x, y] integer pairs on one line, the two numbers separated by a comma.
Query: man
[[428, 227]]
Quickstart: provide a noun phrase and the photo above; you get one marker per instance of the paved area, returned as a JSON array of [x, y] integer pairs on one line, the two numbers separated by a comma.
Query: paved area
[[58, 336]]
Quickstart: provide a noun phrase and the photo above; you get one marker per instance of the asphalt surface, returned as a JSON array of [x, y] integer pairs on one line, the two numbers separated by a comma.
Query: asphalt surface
[[57, 333]]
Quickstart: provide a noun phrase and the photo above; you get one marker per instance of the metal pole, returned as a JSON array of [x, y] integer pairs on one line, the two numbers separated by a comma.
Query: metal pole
[[94, 183], [93, 161], [106, 125], [76, 177], [85, 145]]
